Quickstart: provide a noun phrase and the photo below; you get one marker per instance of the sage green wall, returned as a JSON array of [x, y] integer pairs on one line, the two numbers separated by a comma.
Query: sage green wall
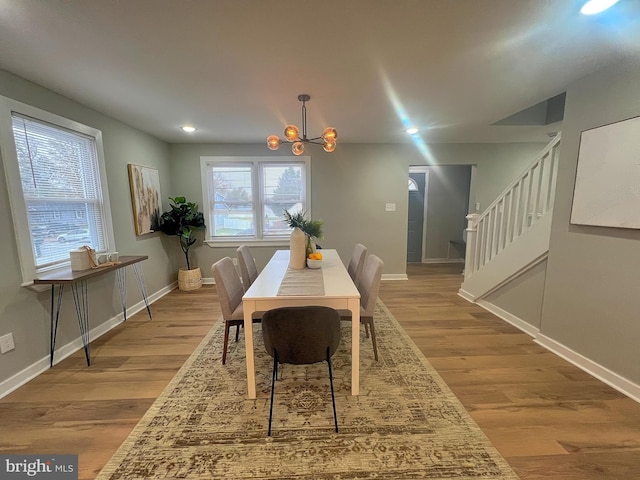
[[350, 188], [24, 312], [591, 300]]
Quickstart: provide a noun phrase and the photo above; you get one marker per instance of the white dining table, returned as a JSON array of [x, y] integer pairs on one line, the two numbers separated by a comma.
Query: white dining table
[[339, 292]]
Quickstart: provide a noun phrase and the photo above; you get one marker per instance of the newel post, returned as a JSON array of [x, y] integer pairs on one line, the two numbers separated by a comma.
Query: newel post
[[470, 255]]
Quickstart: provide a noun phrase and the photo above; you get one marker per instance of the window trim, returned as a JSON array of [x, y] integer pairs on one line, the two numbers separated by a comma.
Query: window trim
[[14, 184], [256, 162]]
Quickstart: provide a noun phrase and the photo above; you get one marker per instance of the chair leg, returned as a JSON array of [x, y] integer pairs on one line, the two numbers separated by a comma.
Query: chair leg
[[373, 340], [237, 331], [366, 330], [333, 397], [273, 386], [226, 342]]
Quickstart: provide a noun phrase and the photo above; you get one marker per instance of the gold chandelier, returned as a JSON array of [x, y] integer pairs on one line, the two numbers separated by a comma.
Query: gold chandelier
[[292, 134]]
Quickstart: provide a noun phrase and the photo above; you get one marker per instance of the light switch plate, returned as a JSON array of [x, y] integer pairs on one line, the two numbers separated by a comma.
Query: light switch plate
[[6, 343]]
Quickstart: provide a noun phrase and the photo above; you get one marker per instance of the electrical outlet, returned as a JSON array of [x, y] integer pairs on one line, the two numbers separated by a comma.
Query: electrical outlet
[[390, 207], [6, 343]]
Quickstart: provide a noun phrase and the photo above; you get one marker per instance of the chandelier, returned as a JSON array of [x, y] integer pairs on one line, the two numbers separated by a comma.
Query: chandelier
[[292, 134]]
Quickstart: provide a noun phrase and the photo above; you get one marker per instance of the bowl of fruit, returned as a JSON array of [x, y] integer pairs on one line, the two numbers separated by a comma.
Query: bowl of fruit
[[314, 260]]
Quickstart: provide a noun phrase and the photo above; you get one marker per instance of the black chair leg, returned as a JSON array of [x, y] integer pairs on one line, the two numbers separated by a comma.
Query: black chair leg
[[237, 331], [226, 342], [273, 386], [333, 397], [373, 340]]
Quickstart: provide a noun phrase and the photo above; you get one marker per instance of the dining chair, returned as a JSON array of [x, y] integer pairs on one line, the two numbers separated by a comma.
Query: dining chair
[[357, 262], [230, 293], [368, 286], [301, 336], [247, 263]]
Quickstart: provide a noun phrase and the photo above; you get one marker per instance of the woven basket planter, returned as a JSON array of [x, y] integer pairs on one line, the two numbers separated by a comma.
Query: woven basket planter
[[189, 279]]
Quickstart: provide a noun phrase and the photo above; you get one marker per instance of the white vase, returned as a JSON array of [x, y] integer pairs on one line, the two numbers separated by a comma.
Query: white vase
[[298, 248]]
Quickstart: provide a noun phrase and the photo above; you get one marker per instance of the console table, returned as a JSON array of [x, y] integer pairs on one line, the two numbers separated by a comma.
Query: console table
[[78, 282]]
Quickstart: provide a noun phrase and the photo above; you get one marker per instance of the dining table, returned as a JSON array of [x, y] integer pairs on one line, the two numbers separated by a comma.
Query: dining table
[[278, 285]]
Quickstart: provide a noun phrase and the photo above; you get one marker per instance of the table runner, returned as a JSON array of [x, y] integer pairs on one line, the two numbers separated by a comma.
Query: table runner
[[304, 282]]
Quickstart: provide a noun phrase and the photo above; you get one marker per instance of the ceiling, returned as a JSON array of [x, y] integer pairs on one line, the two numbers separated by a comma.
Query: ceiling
[[234, 68]]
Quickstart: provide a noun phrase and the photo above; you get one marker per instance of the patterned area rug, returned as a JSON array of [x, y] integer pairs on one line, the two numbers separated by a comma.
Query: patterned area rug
[[406, 423]]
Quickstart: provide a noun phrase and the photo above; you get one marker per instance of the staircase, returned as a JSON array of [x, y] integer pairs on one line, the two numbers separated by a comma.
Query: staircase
[[512, 234]]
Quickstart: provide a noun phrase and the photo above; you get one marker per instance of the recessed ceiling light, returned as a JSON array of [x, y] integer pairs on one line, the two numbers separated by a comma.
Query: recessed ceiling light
[[412, 130], [188, 128], [596, 6]]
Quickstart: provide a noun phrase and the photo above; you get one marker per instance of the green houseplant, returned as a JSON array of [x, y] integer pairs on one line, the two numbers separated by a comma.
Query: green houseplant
[[183, 220]]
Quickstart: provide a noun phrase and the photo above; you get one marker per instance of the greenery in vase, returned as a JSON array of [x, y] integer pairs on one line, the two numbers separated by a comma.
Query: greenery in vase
[[183, 220], [311, 228]]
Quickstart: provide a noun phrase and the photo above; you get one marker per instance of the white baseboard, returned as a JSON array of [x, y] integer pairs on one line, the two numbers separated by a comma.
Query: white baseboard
[[467, 296], [394, 276], [510, 318], [16, 381], [443, 260], [614, 380], [594, 369]]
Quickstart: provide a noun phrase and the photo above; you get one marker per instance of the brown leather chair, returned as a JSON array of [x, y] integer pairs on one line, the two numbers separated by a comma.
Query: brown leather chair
[[301, 336]]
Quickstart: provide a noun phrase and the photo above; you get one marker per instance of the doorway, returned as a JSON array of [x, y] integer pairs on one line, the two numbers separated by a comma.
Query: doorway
[[417, 206]]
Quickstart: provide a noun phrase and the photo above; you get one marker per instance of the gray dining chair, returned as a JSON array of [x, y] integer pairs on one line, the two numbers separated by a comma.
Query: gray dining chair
[[368, 286], [301, 336], [230, 293], [357, 262], [247, 264]]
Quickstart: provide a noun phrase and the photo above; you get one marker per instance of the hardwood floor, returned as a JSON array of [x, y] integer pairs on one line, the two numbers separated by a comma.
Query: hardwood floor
[[549, 419]]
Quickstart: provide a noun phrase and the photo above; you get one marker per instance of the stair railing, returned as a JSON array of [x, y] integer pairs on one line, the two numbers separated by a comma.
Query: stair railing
[[519, 206]]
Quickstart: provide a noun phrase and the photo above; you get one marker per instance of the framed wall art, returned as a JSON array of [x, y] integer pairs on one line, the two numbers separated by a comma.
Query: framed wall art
[[145, 196], [607, 189]]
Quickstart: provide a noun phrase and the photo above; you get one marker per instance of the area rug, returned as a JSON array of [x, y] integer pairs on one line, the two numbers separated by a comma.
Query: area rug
[[405, 424]]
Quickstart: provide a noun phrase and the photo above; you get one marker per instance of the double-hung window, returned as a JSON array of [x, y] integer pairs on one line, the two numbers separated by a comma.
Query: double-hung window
[[245, 197], [57, 186]]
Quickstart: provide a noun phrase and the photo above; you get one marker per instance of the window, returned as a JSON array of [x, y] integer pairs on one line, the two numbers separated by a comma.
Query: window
[[57, 186], [245, 197]]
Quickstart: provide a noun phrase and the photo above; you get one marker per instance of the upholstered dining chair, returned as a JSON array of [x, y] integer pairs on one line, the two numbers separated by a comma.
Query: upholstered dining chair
[[357, 262], [247, 263], [368, 286], [230, 293], [301, 336]]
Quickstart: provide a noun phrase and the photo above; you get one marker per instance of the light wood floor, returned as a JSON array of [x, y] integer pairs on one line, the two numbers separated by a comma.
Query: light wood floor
[[547, 418]]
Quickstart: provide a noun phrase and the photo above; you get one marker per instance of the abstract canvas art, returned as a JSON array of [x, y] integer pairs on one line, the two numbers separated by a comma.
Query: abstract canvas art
[[145, 196]]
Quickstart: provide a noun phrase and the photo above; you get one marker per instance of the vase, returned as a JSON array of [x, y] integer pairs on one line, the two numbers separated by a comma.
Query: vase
[[297, 246]]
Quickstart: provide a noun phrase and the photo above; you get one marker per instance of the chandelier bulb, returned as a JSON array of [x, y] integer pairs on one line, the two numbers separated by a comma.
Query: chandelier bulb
[[273, 142], [329, 147], [291, 133], [330, 134], [297, 148]]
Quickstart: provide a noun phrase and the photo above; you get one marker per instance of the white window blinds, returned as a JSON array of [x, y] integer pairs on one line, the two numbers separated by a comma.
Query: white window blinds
[[60, 182]]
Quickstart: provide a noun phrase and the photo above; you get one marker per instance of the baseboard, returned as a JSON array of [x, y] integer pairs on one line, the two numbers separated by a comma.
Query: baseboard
[[510, 318], [594, 369], [394, 276], [469, 297], [614, 380], [443, 260], [16, 381]]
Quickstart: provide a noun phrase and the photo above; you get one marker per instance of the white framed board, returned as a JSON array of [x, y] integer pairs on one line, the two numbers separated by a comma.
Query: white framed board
[[607, 188]]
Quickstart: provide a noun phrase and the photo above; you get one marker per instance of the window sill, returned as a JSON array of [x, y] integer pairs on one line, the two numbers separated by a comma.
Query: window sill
[[283, 242]]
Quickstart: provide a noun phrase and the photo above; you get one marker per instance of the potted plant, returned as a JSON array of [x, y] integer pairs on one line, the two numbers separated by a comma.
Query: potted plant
[[301, 243], [183, 220]]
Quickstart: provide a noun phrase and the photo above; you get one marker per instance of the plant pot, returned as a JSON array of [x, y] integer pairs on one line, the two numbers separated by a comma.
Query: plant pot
[[189, 279]]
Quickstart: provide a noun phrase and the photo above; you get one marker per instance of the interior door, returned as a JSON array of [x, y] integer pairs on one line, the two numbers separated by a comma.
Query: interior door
[[415, 222]]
